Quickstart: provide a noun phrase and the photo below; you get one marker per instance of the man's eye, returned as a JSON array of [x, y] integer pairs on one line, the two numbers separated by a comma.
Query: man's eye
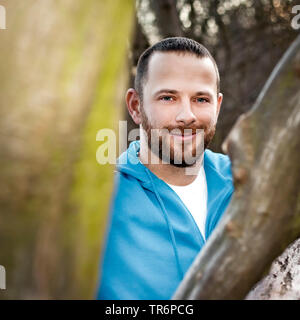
[[166, 98], [202, 100]]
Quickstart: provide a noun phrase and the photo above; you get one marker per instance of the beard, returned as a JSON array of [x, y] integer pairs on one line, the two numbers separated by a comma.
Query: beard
[[177, 153]]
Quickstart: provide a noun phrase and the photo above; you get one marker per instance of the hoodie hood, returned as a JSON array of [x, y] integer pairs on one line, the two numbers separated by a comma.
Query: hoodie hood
[[129, 163]]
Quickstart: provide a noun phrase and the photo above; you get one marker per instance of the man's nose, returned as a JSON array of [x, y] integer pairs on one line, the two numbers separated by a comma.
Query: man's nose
[[185, 114]]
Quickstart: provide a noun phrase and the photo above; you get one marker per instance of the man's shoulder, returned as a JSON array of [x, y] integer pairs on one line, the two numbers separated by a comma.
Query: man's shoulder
[[127, 187], [219, 162]]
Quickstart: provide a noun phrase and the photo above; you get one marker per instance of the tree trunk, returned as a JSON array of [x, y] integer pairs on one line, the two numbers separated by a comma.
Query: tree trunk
[[62, 69], [166, 18], [263, 217]]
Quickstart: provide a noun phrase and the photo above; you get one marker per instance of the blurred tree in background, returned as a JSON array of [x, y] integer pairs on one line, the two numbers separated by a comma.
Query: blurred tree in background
[[246, 37], [62, 72]]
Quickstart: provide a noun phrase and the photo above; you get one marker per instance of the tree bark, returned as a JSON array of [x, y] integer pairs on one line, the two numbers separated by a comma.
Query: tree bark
[[263, 217], [283, 280]]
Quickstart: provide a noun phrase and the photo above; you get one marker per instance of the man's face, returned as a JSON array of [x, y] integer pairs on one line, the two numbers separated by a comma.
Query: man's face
[[180, 93]]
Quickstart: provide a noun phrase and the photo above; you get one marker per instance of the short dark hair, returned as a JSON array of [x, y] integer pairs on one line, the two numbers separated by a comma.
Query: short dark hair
[[174, 44]]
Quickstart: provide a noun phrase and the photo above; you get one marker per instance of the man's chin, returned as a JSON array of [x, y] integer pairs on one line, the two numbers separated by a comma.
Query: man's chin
[[184, 162], [182, 165], [187, 158]]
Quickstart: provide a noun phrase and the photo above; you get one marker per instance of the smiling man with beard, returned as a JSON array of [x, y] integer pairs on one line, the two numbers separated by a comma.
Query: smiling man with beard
[[170, 190]]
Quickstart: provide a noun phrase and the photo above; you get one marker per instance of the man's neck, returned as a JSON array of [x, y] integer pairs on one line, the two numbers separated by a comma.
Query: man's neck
[[178, 176]]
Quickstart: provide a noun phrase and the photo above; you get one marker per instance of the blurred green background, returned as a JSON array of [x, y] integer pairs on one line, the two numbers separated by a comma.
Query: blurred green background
[[62, 72]]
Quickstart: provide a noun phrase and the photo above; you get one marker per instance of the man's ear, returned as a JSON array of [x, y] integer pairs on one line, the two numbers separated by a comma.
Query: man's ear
[[133, 105], [219, 102]]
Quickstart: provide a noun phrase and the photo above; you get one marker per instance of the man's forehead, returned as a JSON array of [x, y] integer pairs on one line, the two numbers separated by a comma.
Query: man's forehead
[[181, 65]]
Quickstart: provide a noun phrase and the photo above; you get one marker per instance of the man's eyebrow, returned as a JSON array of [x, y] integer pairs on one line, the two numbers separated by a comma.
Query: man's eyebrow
[[171, 91], [165, 91]]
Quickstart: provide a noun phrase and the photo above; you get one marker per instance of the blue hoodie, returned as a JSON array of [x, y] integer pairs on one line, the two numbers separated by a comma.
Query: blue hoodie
[[152, 238]]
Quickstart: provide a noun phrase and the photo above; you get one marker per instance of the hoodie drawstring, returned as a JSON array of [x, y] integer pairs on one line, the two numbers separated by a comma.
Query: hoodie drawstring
[[168, 224]]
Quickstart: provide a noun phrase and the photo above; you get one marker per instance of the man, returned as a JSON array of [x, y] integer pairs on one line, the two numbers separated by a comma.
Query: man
[[161, 214]]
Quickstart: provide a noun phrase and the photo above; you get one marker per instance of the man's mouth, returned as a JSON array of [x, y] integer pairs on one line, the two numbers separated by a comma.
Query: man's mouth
[[184, 137]]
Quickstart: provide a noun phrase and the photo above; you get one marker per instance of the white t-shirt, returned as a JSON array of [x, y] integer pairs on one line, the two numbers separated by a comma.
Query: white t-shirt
[[194, 196]]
